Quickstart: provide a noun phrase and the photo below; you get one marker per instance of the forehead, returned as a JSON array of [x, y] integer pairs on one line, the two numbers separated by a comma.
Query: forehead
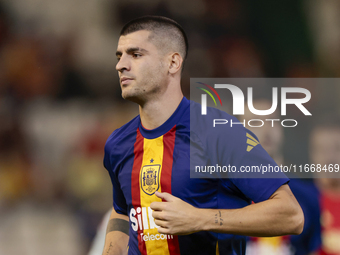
[[135, 39]]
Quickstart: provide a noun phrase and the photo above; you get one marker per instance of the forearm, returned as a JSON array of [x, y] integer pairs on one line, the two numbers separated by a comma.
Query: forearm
[[117, 237], [279, 215], [268, 218], [115, 244]]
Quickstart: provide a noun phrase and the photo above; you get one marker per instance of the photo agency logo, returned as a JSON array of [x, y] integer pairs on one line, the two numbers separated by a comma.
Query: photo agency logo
[[204, 97], [239, 104]]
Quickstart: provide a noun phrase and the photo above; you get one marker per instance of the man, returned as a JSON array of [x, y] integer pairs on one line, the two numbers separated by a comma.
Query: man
[[158, 208]]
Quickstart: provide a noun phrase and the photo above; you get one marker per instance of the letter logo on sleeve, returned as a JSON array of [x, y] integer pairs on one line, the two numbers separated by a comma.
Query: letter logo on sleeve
[[150, 179]]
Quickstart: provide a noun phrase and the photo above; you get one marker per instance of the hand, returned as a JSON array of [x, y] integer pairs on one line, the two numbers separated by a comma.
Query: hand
[[174, 216]]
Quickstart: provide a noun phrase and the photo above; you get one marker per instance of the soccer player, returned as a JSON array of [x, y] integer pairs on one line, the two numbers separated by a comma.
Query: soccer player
[[158, 208]]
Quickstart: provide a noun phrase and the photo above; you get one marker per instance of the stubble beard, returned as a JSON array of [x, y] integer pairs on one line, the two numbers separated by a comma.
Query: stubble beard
[[146, 89], [141, 94]]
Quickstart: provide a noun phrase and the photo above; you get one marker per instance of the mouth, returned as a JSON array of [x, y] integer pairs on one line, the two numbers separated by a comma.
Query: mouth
[[125, 80]]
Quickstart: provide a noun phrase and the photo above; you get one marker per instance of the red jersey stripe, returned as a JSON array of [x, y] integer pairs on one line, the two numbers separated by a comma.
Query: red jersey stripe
[[135, 191], [169, 144]]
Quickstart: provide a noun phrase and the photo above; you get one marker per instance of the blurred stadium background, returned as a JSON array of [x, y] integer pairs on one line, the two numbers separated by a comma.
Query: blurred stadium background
[[60, 96]]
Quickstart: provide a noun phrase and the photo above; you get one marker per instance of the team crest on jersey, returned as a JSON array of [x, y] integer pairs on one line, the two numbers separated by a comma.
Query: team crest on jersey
[[150, 178]]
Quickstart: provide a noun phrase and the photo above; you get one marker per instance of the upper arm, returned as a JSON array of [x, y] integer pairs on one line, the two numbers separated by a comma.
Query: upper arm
[[254, 176], [287, 197], [284, 192], [111, 163], [114, 214], [118, 222], [289, 205]]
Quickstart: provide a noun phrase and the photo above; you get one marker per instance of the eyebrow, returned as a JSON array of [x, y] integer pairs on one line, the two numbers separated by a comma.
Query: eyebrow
[[131, 50]]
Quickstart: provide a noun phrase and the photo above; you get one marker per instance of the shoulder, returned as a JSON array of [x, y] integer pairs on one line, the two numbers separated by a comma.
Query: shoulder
[[218, 125], [122, 135]]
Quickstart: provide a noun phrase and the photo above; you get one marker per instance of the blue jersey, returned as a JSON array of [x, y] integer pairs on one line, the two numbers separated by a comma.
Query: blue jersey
[[142, 161]]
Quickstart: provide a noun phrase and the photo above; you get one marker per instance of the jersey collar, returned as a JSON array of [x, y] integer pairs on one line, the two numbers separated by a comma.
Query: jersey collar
[[168, 124]]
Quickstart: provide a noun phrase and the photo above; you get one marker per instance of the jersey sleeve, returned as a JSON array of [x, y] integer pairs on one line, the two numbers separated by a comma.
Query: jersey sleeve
[[119, 202], [241, 149]]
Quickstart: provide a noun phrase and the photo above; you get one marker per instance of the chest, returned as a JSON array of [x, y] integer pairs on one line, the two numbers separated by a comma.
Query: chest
[[163, 164]]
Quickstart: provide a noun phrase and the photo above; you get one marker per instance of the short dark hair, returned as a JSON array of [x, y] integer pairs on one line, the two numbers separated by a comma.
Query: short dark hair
[[163, 27]]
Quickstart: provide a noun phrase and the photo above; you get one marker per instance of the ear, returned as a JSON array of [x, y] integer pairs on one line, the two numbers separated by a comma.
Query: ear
[[175, 63]]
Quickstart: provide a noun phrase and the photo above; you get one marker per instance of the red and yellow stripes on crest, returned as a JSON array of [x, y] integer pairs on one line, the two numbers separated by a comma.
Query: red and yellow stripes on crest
[[160, 151]]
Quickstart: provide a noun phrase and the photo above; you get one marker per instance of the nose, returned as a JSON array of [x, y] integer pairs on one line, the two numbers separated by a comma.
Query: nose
[[123, 64]]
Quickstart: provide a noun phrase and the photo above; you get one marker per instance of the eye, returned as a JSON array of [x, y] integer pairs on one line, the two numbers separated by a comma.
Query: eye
[[136, 55]]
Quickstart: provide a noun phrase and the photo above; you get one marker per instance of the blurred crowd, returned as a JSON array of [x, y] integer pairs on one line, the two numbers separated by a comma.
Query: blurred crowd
[[60, 100]]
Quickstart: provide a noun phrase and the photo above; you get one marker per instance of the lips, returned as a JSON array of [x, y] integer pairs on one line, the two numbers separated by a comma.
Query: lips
[[125, 80]]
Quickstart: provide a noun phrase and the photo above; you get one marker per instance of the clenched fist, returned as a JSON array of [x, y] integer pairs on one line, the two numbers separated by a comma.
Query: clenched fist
[[174, 216]]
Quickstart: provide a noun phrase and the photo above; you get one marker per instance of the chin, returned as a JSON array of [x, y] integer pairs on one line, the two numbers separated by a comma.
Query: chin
[[132, 97], [126, 93]]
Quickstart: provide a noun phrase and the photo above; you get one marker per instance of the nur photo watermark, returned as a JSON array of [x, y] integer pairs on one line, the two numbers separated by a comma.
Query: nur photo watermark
[[261, 127]]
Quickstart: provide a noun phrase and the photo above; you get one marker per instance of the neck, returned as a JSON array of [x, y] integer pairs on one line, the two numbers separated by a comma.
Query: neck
[[155, 112]]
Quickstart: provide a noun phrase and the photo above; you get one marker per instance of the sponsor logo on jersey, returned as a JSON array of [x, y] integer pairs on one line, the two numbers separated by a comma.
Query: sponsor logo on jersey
[[141, 219], [150, 178], [149, 237]]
